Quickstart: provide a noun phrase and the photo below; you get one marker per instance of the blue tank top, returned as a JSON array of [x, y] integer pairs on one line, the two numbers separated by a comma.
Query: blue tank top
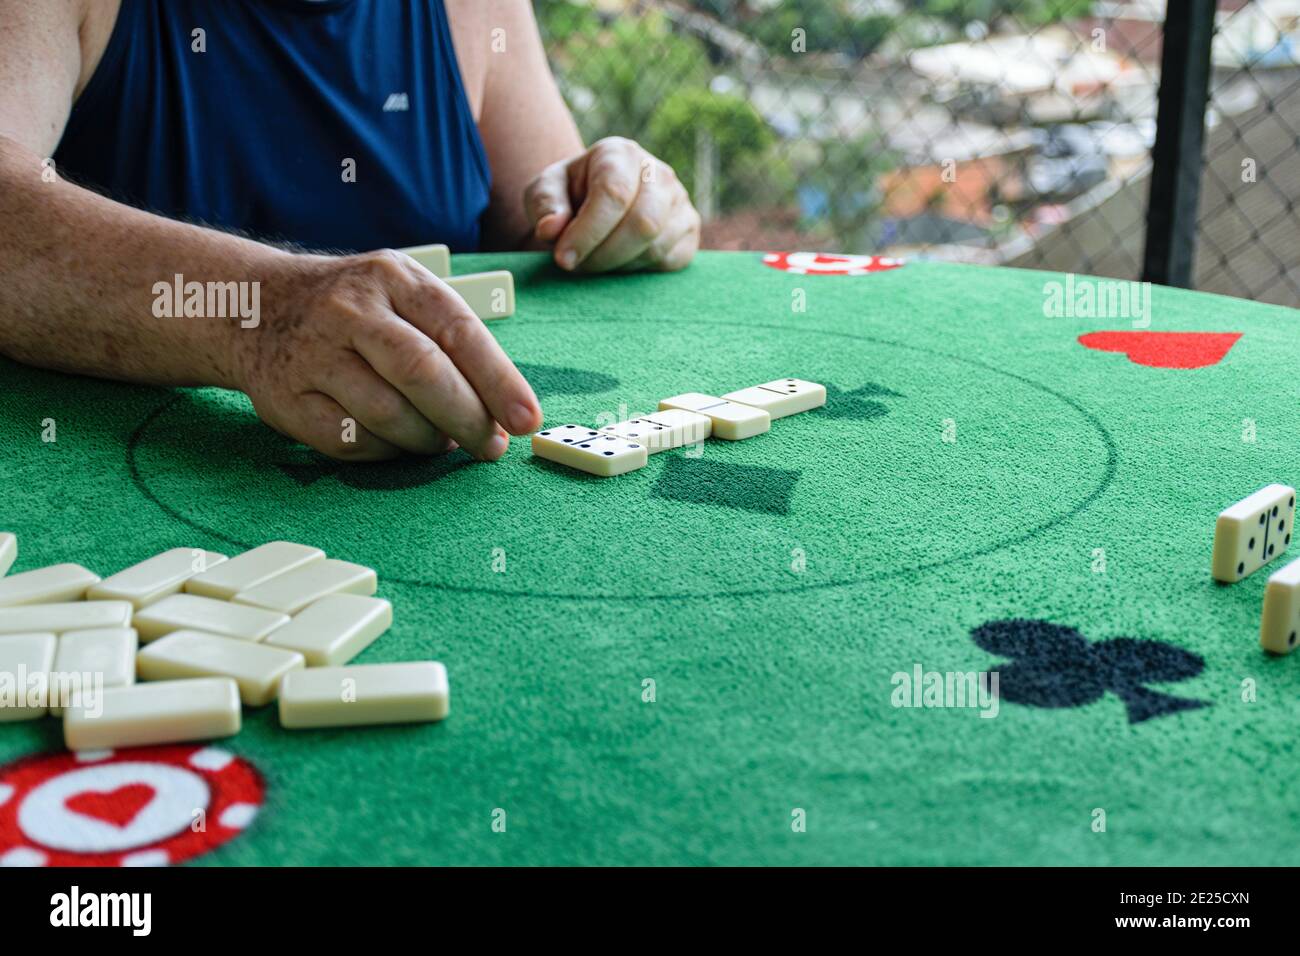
[[255, 134]]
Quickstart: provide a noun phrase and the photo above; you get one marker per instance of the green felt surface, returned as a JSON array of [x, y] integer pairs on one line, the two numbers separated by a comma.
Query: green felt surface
[[770, 588]]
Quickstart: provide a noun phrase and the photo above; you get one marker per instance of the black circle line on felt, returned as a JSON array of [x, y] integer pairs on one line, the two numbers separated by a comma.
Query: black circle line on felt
[[1107, 477]]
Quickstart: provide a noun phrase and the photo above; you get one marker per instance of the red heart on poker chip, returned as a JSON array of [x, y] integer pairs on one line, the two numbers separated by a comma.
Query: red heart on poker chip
[[118, 807], [1164, 349], [829, 264], [144, 806]]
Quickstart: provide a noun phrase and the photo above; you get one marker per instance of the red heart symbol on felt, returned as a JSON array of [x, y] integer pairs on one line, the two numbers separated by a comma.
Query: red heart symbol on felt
[[118, 807], [1164, 349]]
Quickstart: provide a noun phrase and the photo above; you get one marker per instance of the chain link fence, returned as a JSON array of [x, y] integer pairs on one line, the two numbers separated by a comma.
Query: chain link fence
[[1009, 132]]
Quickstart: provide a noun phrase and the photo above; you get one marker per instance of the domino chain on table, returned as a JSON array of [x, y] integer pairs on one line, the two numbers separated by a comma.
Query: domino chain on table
[[686, 419]]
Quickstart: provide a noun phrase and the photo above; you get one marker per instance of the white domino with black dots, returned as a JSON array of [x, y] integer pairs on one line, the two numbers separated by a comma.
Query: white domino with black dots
[[660, 431], [785, 396], [588, 450], [1252, 532], [685, 419]]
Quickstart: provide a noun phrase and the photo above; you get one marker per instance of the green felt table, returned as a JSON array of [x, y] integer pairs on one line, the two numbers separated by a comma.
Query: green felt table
[[695, 663]]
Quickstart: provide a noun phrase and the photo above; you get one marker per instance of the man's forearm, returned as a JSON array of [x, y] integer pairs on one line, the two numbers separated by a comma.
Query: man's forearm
[[80, 283]]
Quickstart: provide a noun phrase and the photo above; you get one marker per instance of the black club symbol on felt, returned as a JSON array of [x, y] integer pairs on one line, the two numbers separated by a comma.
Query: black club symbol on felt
[[1055, 666]]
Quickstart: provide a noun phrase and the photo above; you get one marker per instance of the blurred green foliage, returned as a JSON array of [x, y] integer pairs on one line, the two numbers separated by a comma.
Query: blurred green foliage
[[562, 20], [739, 137], [627, 69], [634, 72], [634, 77], [1028, 13], [826, 25]]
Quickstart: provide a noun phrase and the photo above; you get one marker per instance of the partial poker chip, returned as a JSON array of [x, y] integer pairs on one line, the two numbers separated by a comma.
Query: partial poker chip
[[145, 806], [827, 264]]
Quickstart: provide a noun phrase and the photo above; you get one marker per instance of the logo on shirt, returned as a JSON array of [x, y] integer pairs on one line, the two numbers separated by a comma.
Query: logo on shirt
[[397, 103]]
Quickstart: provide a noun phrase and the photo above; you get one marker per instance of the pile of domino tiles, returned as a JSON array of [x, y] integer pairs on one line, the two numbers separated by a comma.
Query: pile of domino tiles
[[279, 622]]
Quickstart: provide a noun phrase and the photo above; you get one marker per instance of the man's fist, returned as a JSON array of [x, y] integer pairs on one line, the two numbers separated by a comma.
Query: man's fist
[[613, 207]]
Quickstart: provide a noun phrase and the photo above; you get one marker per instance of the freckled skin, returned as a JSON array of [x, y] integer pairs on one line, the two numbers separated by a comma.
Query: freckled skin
[[370, 347]]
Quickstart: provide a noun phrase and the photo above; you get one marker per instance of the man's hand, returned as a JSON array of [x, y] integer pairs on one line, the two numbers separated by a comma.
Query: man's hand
[[378, 340], [613, 207]]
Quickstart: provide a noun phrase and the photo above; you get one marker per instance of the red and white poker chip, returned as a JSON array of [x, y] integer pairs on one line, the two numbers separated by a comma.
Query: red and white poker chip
[[827, 264], [145, 806]]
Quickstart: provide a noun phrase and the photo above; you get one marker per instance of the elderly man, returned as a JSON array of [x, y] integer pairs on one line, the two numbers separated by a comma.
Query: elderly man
[[290, 143]]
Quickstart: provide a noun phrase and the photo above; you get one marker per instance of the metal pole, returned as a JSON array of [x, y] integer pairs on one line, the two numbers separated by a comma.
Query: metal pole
[[1177, 156]]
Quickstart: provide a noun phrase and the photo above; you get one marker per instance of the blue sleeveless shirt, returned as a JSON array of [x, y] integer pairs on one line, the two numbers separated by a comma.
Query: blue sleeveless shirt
[[257, 132]]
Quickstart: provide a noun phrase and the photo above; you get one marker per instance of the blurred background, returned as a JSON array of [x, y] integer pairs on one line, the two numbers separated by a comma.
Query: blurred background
[[1005, 132]]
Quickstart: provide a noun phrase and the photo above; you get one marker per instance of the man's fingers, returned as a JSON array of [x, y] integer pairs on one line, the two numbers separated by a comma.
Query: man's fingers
[[434, 309], [381, 409], [675, 246], [681, 254], [643, 224], [656, 226], [550, 226], [676, 249], [329, 428], [546, 201], [418, 368], [613, 180]]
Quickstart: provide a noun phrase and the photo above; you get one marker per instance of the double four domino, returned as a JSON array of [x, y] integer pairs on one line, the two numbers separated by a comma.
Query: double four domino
[[681, 420], [1247, 536]]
